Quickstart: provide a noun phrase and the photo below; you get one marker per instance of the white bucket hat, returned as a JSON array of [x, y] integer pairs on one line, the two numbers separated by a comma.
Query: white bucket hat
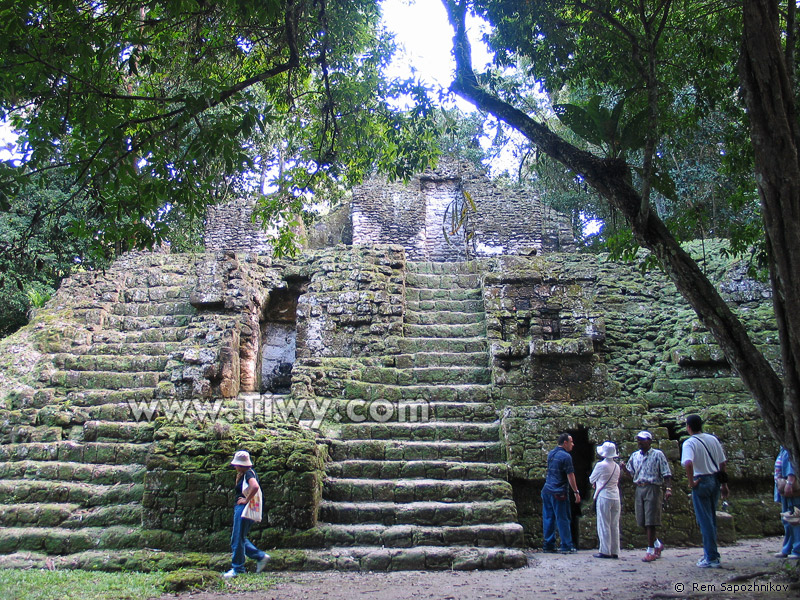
[[242, 459], [607, 450], [644, 435]]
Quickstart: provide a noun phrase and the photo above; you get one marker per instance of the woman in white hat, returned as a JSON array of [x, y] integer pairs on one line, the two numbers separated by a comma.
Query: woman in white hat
[[247, 489], [605, 480]]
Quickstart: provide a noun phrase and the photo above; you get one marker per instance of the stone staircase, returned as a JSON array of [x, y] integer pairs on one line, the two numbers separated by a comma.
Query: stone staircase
[[423, 485], [72, 458]]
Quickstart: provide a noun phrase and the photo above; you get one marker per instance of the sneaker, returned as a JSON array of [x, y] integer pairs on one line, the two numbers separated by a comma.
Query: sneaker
[[601, 555], [794, 556], [570, 551], [262, 563], [549, 550], [780, 555], [649, 557], [708, 564], [658, 550], [229, 574]]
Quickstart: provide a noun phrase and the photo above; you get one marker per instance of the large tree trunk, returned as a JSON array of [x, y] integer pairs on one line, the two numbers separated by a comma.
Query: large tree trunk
[[766, 82], [611, 178]]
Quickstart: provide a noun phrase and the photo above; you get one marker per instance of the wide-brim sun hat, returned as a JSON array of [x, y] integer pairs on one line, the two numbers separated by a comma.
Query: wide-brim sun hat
[[607, 450], [242, 459]]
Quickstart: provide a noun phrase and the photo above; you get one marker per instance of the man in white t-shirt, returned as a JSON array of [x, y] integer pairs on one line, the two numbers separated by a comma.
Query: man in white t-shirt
[[704, 461]]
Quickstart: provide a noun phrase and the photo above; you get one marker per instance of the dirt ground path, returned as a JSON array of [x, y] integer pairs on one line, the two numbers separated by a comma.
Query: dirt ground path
[[573, 577]]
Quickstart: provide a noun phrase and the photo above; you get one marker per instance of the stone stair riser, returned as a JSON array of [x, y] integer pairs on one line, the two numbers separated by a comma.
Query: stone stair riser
[[444, 281], [153, 309], [142, 323], [111, 362], [395, 450], [106, 431], [474, 306], [443, 318], [445, 331], [356, 390], [105, 380], [430, 431], [457, 294], [74, 472], [70, 516], [68, 541], [415, 490], [427, 375], [441, 359], [29, 491], [428, 469], [406, 536], [68, 451], [422, 513], [411, 345]]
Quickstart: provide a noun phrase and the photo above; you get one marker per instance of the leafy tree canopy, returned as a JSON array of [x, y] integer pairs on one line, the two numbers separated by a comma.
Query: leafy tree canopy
[[160, 107]]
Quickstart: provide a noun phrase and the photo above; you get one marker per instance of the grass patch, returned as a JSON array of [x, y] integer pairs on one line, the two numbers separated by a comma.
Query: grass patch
[[41, 584]]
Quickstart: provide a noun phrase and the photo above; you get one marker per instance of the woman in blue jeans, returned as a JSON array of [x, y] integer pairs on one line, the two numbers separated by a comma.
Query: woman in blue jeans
[[240, 545]]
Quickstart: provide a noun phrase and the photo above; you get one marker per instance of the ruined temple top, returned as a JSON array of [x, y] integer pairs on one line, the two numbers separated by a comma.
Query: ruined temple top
[[451, 213]]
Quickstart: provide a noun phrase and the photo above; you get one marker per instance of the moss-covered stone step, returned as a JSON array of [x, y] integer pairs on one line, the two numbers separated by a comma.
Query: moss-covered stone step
[[419, 513], [15, 434], [442, 431], [442, 317], [140, 349], [405, 450], [114, 431], [26, 491], [110, 362], [76, 414], [371, 558], [420, 294], [426, 375], [121, 396], [431, 393], [152, 309], [72, 471], [143, 323], [81, 452], [69, 516], [413, 345], [468, 266], [415, 490], [56, 540], [428, 469], [404, 411], [509, 535], [460, 306], [443, 281], [445, 331], [108, 380], [440, 359], [145, 336]]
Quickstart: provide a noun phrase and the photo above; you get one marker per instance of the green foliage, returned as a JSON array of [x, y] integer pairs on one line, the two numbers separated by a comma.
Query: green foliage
[[621, 77], [163, 108], [38, 248]]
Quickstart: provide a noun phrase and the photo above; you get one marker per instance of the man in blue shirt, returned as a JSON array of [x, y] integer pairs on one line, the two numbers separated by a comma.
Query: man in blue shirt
[[555, 499]]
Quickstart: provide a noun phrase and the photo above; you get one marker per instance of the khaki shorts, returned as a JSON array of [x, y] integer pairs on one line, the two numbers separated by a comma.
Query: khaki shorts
[[648, 505]]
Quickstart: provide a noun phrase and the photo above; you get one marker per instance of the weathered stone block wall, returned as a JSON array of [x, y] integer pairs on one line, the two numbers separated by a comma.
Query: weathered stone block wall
[[189, 498], [412, 215], [354, 300], [230, 226], [632, 356]]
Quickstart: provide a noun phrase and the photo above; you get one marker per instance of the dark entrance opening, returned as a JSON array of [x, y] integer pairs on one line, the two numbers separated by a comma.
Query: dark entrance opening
[[279, 338], [583, 457]]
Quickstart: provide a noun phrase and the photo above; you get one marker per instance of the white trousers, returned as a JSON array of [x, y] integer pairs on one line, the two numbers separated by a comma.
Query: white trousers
[[608, 525]]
